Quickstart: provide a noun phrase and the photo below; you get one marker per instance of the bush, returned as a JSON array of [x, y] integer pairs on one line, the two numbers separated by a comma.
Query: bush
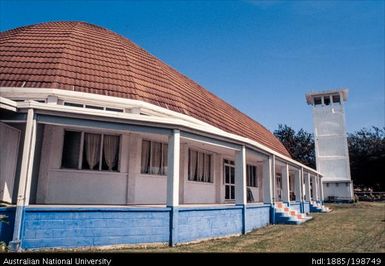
[[3, 245]]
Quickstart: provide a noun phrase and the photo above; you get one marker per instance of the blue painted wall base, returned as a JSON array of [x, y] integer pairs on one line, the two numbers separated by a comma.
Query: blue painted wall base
[[58, 227], [306, 207]]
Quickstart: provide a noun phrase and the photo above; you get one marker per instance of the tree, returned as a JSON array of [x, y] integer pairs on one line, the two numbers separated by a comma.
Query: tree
[[366, 153], [299, 144], [367, 157]]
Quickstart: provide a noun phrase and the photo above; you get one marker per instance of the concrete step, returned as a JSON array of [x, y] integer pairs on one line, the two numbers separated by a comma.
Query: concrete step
[[286, 215], [319, 208]]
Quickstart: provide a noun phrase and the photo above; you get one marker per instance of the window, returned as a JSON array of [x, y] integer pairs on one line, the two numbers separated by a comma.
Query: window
[[317, 101], [90, 151], [88, 106], [114, 110], [95, 107], [336, 98], [251, 175], [73, 104], [326, 100], [347, 184], [327, 184], [229, 179], [199, 166], [336, 184], [154, 158], [71, 149]]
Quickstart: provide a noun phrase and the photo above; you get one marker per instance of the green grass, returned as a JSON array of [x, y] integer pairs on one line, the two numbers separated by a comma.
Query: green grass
[[349, 228]]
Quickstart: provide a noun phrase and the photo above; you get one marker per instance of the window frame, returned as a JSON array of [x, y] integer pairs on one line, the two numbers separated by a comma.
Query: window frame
[[327, 100], [211, 170], [248, 184], [163, 144], [315, 100], [81, 151], [337, 97], [231, 164]]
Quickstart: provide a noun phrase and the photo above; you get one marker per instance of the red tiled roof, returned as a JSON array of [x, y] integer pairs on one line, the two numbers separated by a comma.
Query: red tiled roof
[[83, 57]]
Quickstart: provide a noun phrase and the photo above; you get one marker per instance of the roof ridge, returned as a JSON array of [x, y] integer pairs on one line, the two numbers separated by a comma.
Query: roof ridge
[[167, 76], [55, 81], [130, 77]]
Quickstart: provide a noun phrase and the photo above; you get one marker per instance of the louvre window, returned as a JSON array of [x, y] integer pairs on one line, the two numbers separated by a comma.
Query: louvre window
[[95, 107], [74, 104]]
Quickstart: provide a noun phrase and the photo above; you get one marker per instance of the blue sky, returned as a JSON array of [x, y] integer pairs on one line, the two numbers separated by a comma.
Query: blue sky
[[260, 56]]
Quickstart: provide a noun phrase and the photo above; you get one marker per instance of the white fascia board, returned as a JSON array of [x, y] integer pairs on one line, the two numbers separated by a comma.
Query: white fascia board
[[337, 180], [8, 104], [173, 119], [96, 99]]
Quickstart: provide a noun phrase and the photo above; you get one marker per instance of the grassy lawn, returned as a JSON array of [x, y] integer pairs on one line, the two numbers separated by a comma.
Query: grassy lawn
[[349, 228]]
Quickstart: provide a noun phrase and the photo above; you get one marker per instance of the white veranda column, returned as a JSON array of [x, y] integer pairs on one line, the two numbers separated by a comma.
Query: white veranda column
[[316, 183], [267, 180], [307, 187], [298, 184], [240, 177], [312, 187], [274, 179], [173, 155], [285, 184], [27, 160], [321, 189], [25, 177]]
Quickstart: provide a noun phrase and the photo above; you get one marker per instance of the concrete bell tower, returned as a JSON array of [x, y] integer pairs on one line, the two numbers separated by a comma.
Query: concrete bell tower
[[331, 147]]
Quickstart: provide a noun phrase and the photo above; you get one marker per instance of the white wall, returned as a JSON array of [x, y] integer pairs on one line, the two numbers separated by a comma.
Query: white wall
[[341, 191], [71, 186], [332, 155], [129, 186], [9, 147], [88, 187], [147, 189], [199, 192]]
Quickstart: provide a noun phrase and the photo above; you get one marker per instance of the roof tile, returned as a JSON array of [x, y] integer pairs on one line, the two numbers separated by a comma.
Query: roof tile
[[92, 59]]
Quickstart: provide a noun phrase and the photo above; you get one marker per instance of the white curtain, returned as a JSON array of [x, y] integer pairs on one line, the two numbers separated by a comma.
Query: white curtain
[[193, 166], [207, 165], [145, 157], [200, 166], [92, 148], [164, 159], [110, 149], [156, 151]]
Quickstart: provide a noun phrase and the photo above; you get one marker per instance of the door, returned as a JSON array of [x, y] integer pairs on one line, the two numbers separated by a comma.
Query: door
[[9, 143], [229, 180]]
